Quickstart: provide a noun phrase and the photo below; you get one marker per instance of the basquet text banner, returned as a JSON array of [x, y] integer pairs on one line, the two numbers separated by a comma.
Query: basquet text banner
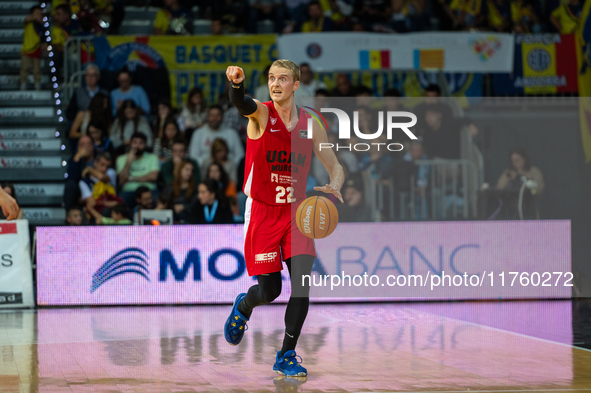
[[544, 64], [16, 277], [450, 52], [189, 61], [205, 264]]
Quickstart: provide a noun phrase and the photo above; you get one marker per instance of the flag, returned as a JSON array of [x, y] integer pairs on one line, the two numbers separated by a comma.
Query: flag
[[583, 36], [374, 59]]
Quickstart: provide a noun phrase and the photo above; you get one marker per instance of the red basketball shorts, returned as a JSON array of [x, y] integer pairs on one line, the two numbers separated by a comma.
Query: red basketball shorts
[[271, 235]]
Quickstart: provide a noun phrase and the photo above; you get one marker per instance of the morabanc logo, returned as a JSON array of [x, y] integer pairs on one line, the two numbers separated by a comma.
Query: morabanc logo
[[129, 260]]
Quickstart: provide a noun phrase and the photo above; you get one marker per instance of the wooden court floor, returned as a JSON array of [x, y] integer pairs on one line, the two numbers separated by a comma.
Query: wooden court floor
[[411, 347]]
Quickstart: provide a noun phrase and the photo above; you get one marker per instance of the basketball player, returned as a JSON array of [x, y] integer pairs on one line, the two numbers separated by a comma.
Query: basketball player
[[8, 205], [277, 164]]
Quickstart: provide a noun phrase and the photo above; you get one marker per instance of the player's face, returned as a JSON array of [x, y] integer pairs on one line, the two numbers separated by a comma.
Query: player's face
[[281, 84]]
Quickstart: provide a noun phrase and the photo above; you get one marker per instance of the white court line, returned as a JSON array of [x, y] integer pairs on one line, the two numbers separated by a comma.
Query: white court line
[[505, 331]]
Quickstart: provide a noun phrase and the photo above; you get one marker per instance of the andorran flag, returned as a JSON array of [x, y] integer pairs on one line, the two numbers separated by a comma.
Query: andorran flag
[[583, 36], [374, 59]]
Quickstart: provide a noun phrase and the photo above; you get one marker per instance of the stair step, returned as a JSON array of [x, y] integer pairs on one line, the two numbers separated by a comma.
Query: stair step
[[19, 168], [34, 194], [31, 145], [13, 66], [10, 51], [13, 82], [26, 98], [26, 113], [16, 7], [11, 36], [12, 21], [28, 133], [45, 215]]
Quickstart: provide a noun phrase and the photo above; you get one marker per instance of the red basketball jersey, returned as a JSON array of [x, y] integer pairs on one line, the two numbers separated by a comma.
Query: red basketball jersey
[[277, 164]]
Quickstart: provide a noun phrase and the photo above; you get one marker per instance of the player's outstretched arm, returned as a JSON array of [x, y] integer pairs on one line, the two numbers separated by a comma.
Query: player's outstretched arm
[[8, 205], [247, 106], [329, 161]]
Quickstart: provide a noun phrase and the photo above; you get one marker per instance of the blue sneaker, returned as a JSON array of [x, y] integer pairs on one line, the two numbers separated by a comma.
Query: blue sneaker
[[235, 324], [288, 365]]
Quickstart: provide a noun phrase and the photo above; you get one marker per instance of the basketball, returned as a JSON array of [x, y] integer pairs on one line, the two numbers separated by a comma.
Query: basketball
[[317, 217]]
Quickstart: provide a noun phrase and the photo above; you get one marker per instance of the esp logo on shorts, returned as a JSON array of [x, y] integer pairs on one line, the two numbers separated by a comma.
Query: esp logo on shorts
[[266, 257]]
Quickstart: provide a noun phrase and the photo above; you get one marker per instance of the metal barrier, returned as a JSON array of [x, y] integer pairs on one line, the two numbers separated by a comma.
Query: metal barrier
[[74, 60]]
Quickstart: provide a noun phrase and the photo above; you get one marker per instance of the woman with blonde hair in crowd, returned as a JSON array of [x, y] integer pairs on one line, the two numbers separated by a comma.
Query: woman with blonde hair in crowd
[[129, 120], [219, 154], [183, 190]]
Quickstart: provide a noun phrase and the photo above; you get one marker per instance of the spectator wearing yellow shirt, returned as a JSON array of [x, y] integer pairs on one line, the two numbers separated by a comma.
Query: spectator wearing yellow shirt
[[465, 14], [31, 52], [517, 16], [566, 17], [63, 28], [316, 22], [173, 20]]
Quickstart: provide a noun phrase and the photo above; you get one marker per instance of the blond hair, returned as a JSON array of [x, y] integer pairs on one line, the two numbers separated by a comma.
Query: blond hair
[[290, 65]]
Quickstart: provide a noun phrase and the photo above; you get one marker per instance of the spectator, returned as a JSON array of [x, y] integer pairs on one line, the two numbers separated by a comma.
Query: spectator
[[127, 91], [228, 15], [355, 208], [297, 11], [500, 17], [339, 12], [165, 114], [308, 85], [137, 168], [32, 50], [129, 121], [316, 21], [9, 189], [64, 27], [402, 178], [520, 167], [226, 186], [98, 109], [98, 184], [98, 132], [184, 191], [144, 200], [344, 87], [202, 138], [83, 158], [372, 11], [219, 154], [179, 154], [164, 201], [74, 216], [210, 207], [163, 144], [524, 18], [236, 121], [565, 17], [194, 112], [119, 216], [173, 20], [261, 92], [82, 96], [464, 14], [216, 28], [265, 9], [363, 96], [440, 132]]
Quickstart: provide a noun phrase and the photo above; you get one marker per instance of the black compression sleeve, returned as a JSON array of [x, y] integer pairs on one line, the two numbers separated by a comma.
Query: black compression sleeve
[[245, 105]]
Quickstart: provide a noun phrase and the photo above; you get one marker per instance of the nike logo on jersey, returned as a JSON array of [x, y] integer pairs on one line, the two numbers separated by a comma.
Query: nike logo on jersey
[[272, 130]]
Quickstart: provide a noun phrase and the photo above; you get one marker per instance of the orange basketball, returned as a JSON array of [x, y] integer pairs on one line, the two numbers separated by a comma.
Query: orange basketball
[[317, 217]]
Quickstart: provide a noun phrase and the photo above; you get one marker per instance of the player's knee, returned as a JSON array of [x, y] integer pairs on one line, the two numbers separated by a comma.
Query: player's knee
[[271, 294]]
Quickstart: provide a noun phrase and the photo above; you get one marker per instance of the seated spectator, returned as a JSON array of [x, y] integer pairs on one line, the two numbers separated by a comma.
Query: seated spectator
[[372, 11], [137, 168], [210, 207], [194, 112], [226, 186], [524, 18], [63, 28], [144, 200], [237, 122], [99, 109], [98, 184], [344, 87], [32, 49], [355, 208], [83, 158], [165, 114], [119, 216], [173, 20], [163, 144], [98, 132], [228, 15], [519, 167], [432, 96], [308, 85], [127, 91], [74, 216], [179, 154], [164, 201], [565, 17], [265, 10], [203, 137], [219, 154], [80, 100], [316, 22], [216, 28], [8, 188], [440, 132], [339, 11], [261, 92], [183, 191], [129, 121]]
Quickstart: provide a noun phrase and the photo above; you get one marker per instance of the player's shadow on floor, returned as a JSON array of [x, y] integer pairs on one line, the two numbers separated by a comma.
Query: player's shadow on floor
[[288, 384]]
